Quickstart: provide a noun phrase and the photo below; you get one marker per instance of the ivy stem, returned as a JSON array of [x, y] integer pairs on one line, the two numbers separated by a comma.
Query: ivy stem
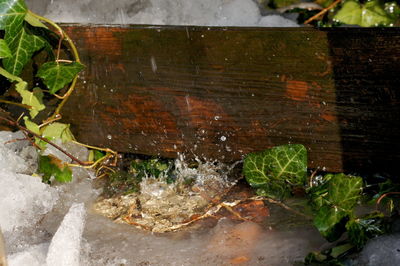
[[322, 12], [63, 36], [385, 195], [283, 205], [27, 131], [16, 104]]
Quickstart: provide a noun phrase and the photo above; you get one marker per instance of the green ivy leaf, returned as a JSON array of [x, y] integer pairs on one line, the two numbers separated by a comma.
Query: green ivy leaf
[[57, 75], [333, 201], [276, 169], [34, 99], [362, 229], [328, 222], [51, 166], [9, 76], [284, 3], [4, 50], [95, 155], [22, 46], [12, 14], [57, 130], [34, 21], [344, 191], [368, 15], [393, 9], [373, 14], [350, 13], [32, 126]]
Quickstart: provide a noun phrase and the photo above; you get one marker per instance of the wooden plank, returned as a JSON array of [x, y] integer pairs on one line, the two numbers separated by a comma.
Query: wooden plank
[[224, 92]]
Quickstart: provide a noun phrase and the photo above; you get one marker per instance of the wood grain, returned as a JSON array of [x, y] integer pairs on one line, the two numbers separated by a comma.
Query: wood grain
[[224, 92]]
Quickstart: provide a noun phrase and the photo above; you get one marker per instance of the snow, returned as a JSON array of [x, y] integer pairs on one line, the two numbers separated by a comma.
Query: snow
[[383, 251], [65, 246], [24, 199], [46, 225], [33, 256], [160, 12]]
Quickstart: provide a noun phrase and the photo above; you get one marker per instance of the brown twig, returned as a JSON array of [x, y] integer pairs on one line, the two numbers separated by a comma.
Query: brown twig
[[322, 12], [283, 205], [26, 131], [384, 196]]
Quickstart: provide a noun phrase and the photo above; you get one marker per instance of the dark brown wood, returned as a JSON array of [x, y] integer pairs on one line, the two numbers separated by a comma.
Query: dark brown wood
[[224, 92]]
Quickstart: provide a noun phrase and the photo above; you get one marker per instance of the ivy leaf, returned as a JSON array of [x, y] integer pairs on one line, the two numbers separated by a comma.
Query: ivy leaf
[[22, 46], [9, 76], [51, 166], [57, 75], [350, 13], [371, 14], [344, 191], [328, 222], [284, 3], [57, 130], [34, 99], [32, 126], [393, 9], [12, 14], [34, 21], [334, 202], [273, 171], [4, 50], [95, 155], [362, 229]]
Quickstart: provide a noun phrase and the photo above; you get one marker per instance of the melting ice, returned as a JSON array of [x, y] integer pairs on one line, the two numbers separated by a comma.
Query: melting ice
[[40, 221]]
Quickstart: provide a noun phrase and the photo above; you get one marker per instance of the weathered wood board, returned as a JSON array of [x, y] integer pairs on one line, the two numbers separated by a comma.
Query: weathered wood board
[[224, 92]]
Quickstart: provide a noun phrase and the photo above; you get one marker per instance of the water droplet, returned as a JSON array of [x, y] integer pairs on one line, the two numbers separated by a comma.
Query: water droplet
[[109, 136], [223, 138]]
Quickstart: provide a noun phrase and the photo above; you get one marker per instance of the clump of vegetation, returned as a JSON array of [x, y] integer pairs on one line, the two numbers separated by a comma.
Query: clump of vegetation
[[127, 182], [328, 13], [332, 198]]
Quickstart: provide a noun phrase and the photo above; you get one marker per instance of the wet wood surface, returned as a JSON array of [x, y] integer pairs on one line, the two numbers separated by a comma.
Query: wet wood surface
[[224, 92]]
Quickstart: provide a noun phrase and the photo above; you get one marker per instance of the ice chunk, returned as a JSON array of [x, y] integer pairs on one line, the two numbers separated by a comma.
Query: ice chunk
[[65, 246], [24, 200], [32, 256], [383, 250], [276, 21], [238, 13], [15, 154]]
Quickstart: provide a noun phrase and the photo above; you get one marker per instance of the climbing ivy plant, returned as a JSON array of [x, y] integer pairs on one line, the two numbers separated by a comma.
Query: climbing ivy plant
[[278, 172], [328, 13], [23, 34]]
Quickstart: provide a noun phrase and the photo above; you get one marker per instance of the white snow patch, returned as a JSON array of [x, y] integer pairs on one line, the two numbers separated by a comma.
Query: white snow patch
[[24, 199], [65, 246], [32, 256], [276, 21], [161, 12]]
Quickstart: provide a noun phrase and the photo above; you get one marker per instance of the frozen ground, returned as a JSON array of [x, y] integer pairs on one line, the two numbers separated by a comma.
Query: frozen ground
[[160, 12], [56, 224]]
